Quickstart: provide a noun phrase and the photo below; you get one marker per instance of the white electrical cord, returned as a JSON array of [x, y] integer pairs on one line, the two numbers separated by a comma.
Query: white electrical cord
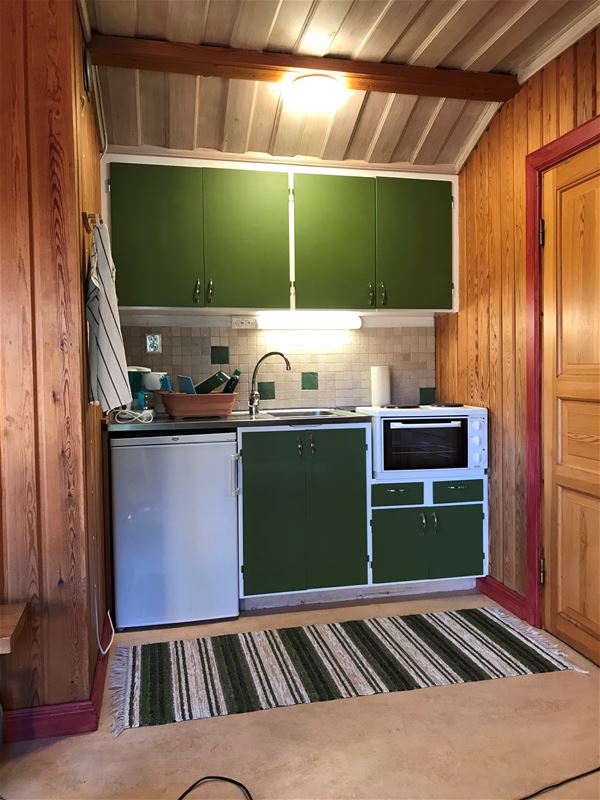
[[134, 416], [103, 650]]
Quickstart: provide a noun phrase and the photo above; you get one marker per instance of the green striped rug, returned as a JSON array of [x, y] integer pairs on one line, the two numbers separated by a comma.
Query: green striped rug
[[174, 681]]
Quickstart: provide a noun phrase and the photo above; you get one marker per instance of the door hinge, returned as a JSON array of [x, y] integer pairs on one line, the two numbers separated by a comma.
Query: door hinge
[[542, 236], [542, 571]]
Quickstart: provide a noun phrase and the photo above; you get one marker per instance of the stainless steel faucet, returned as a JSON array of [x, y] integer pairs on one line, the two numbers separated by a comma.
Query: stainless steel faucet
[[254, 398]]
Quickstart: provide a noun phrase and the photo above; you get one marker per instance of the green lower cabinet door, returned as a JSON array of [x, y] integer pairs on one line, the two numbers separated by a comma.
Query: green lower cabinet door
[[455, 539], [400, 545], [157, 234], [246, 244], [414, 243], [274, 511], [334, 234], [336, 527]]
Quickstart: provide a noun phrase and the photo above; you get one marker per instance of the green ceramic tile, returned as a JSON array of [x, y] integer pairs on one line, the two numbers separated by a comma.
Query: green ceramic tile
[[426, 395], [219, 354], [266, 390], [310, 380]]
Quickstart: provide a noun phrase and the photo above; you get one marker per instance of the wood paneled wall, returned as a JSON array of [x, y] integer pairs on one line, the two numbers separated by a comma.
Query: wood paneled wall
[[49, 162], [480, 351]]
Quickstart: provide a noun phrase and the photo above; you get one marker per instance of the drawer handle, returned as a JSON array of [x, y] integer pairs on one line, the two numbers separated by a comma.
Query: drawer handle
[[460, 486], [423, 523], [399, 491]]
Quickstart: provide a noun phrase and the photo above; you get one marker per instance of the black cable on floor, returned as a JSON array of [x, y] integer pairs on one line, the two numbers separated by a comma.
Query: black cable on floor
[[560, 783], [210, 778]]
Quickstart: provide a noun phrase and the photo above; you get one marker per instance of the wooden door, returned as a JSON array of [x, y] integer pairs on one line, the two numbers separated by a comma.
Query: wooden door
[[571, 401], [334, 240], [246, 239], [157, 236], [414, 243]]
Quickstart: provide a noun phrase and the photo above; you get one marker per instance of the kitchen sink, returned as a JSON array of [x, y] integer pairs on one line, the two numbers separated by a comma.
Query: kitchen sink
[[302, 412]]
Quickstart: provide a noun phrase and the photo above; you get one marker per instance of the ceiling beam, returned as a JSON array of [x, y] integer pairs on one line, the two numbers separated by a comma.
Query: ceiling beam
[[228, 62]]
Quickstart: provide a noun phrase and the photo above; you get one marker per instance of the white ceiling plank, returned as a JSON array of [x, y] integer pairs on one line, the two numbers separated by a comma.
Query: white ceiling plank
[[183, 111], [446, 117], [457, 23], [119, 93], [367, 125], [116, 17], [421, 116], [187, 21], [263, 119], [221, 21], [381, 40], [313, 137], [340, 132], [362, 18], [239, 111], [212, 95], [153, 107], [152, 19], [550, 31], [322, 26], [429, 17], [254, 23], [387, 139], [288, 25], [465, 124]]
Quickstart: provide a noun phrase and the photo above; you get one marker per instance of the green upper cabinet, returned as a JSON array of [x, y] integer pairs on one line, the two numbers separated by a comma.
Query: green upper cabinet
[[334, 232], [157, 236], [414, 243], [336, 529], [246, 244]]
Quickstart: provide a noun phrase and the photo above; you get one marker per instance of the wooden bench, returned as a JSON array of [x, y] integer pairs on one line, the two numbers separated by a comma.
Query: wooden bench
[[12, 619]]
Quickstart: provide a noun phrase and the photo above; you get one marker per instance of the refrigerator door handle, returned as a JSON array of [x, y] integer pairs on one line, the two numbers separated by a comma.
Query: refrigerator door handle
[[235, 489]]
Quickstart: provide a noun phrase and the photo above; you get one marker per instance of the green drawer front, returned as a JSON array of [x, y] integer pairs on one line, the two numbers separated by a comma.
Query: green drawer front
[[397, 494], [457, 491]]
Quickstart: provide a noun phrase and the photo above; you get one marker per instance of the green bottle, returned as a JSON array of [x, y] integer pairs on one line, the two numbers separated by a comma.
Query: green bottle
[[232, 383], [212, 383]]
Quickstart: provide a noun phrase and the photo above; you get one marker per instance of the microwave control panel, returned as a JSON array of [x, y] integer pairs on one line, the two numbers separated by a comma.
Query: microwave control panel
[[478, 441]]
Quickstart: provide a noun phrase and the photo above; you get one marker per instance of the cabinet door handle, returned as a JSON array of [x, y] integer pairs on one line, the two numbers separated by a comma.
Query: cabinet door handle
[[300, 447], [423, 523], [371, 294], [313, 447], [435, 522], [210, 291], [383, 295], [235, 489], [196, 295]]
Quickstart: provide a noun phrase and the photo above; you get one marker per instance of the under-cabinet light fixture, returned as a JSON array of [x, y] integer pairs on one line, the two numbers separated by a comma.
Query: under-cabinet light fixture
[[308, 320]]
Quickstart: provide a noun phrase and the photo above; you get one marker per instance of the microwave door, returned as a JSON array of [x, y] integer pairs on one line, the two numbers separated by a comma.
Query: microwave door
[[426, 444]]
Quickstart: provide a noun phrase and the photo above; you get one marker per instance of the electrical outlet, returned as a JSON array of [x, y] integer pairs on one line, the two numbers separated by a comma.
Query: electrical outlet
[[244, 323], [154, 343]]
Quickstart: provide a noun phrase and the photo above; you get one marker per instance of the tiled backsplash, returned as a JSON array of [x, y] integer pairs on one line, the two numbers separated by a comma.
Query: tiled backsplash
[[329, 368]]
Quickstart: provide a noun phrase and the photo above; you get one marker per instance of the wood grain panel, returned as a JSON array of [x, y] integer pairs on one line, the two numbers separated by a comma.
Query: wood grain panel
[[490, 354], [46, 504]]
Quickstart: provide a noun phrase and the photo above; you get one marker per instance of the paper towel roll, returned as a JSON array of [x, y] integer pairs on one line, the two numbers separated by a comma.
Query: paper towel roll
[[380, 386]]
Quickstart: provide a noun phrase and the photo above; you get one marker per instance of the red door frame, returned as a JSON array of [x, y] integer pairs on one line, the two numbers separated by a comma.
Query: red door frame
[[536, 163]]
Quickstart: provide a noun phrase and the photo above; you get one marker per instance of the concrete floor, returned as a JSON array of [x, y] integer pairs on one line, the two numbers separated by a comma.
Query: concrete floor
[[495, 739]]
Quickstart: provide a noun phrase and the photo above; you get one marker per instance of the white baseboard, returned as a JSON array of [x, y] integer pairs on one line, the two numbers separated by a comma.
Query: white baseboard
[[355, 593]]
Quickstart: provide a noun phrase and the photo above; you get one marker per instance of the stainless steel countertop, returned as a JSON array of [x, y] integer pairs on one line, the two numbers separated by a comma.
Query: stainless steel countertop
[[239, 419]]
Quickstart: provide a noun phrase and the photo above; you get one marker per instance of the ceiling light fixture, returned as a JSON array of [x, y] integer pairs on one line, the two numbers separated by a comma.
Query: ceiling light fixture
[[308, 320], [313, 94]]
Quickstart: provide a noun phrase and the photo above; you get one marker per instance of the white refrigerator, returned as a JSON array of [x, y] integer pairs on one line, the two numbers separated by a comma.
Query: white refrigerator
[[175, 548]]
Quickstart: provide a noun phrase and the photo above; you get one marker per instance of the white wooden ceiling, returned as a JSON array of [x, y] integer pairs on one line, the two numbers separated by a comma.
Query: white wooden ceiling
[[153, 112]]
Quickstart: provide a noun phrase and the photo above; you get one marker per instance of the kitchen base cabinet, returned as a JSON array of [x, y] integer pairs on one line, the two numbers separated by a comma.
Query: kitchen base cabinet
[[426, 543], [400, 548], [274, 512], [336, 509], [457, 546], [303, 510]]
